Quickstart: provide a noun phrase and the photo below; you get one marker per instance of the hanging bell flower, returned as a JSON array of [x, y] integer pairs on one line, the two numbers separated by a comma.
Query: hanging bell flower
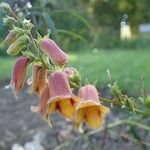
[[89, 109], [19, 74], [61, 97], [38, 79], [56, 55]]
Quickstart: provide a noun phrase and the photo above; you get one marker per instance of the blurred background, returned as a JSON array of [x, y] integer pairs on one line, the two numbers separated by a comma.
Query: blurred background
[[98, 35], [110, 34]]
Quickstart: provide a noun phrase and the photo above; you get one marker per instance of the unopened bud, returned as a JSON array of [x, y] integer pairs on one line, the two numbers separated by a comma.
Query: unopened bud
[[19, 73], [16, 47], [50, 48], [73, 76], [5, 6], [9, 21], [11, 37]]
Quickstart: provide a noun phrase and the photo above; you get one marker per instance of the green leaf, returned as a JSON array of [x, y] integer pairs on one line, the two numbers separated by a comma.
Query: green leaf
[[2, 44], [72, 34], [5, 6], [49, 21], [75, 14]]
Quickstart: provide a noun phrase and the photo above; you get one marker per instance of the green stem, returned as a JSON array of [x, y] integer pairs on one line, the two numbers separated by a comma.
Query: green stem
[[106, 100], [147, 113], [31, 38], [137, 124], [74, 85], [36, 49], [15, 16], [137, 111], [115, 135], [111, 125]]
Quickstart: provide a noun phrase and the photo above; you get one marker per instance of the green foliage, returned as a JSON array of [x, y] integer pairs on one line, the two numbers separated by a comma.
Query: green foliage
[[3, 30], [110, 39], [117, 61], [146, 101], [5, 69], [112, 10], [64, 25], [126, 67], [84, 24]]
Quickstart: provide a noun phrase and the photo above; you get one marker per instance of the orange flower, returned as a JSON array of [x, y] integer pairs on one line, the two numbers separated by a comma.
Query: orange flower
[[38, 79], [50, 48], [61, 97], [89, 108], [42, 103], [19, 73]]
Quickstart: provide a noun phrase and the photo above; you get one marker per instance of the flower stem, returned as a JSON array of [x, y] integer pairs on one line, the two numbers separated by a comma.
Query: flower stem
[[106, 100], [111, 125], [145, 113]]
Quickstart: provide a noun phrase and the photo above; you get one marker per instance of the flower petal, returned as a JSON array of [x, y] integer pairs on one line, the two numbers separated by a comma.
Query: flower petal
[[93, 117], [66, 108], [79, 118]]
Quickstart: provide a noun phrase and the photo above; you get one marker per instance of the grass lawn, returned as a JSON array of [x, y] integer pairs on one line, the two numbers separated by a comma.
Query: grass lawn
[[5, 67], [126, 67]]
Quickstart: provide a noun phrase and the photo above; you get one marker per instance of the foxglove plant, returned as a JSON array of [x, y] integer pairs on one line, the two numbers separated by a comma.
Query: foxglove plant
[[52, 80]]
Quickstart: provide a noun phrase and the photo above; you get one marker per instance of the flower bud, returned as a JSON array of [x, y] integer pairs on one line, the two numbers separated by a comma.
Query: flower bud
[[19, 73], [5, 6], [16, 47], [50, 48], [11, 37], [70, 71], [9, 21], [73, 76], [38, 79]]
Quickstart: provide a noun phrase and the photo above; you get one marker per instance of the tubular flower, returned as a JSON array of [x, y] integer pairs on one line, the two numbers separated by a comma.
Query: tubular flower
[[16, 47], [61, 97], [89, 108], [42, 103], [11, 37], [38, 79], [50, 48], [19, 73]]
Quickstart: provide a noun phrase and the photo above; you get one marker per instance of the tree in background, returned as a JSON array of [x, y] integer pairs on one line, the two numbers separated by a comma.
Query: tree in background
[[84, 22]]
